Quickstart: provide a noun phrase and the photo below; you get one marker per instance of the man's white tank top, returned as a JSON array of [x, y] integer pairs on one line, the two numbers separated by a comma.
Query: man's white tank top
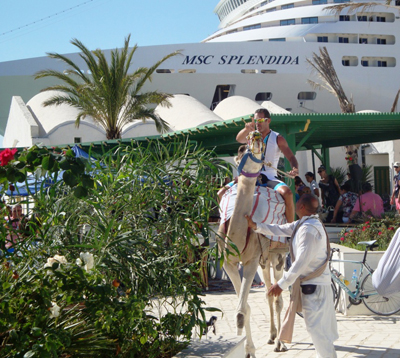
[[272, 154]]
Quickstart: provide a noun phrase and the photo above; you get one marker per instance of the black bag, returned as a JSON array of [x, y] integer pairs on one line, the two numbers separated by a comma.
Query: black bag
[[308, 289]]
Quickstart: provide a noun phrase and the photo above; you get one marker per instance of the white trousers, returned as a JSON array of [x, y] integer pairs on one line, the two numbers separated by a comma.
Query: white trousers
[[320, 319]]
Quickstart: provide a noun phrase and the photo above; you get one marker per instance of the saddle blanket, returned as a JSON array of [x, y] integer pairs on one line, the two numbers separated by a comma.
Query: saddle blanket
[[268, 207]]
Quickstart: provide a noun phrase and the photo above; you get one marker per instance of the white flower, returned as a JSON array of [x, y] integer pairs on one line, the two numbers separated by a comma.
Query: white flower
[[54, 310], [56, 258], [79, 262], [60, 259], [87, 259]]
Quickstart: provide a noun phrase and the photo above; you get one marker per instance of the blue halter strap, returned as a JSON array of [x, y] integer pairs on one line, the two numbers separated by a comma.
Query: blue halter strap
[[246, 156]]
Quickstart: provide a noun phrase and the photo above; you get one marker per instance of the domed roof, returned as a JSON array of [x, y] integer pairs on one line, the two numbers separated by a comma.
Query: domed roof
[[237, 106], [186, 112], [53, 116]]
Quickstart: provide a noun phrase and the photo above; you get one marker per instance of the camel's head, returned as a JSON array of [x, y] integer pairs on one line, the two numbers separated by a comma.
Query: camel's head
[[253, 158], [255, 143]]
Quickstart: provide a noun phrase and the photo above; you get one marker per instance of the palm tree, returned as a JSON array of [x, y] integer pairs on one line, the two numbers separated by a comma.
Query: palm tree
[[107, 92], [323, 65]]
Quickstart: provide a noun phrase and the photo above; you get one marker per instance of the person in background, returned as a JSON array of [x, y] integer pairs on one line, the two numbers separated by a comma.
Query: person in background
[[346, 203], [329, 191], [371, 203], [394, 200], [310, 178], [274, 145], [14, 222]]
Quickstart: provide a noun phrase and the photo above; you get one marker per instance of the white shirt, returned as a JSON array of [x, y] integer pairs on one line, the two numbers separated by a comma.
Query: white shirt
[[309, 249]]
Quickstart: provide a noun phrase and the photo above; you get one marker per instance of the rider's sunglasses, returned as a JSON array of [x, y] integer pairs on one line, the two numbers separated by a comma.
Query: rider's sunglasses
[[260, 120]]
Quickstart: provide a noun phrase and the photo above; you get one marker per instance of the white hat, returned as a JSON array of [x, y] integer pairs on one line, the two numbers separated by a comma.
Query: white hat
[[396, 164]]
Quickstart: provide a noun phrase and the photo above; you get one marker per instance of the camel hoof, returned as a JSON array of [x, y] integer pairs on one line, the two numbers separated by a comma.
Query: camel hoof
[[280, 348], [270, 341], [240, 320]]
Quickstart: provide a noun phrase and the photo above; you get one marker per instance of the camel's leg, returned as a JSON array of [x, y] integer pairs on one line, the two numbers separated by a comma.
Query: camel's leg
[[242, 288], [275, 303], [270, 299], [277, 262]]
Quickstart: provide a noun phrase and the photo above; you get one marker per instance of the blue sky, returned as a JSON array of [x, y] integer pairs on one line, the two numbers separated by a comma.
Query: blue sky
[[31, 28]]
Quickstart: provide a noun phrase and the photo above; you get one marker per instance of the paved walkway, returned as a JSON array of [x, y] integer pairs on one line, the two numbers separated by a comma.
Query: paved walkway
[[359, 336]]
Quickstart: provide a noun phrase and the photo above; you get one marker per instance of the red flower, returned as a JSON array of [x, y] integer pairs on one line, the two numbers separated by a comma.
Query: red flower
[[368, 226], [367, 223], [12, 187], [351, 230], [7, 155], [342, 238], [363, 228], [391, 228], [346, 234], [380, 233], [350, 158]]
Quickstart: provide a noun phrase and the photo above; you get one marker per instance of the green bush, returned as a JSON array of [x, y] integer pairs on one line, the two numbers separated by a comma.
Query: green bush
[[118, 239], [381, 230]]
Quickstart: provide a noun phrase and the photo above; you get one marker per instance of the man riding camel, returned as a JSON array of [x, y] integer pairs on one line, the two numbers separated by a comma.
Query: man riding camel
[[274, 145]]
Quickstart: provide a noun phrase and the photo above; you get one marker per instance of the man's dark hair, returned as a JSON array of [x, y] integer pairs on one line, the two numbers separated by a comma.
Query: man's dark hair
[[346, 186], [310, 203], [366, 187], [310, 174], [264, 111]]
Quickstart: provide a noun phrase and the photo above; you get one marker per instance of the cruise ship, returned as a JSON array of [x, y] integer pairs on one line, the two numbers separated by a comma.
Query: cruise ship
[[260, 52]]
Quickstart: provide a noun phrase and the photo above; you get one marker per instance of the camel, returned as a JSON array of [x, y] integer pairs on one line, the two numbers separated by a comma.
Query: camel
[[252, 249]]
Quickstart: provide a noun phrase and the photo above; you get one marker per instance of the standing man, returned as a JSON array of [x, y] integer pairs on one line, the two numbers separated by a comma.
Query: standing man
[[311, 251], [394, 200], [274, 145]]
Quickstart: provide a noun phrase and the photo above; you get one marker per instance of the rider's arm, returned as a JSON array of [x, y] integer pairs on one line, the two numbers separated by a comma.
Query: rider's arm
[[287, 152], [249, 127]]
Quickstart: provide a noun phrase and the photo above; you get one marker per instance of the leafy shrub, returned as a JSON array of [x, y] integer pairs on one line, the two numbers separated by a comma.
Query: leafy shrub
[[372, 229], [118, 239]]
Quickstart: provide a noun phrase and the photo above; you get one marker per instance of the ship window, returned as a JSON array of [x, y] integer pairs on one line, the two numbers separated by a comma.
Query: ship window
[[264, 3], [322, 38], [263, 96], [344, 18], [362, 18], [232, 31], [288, 22], [77, 140], [343, 40], [288, 6], [268, 71], [309, 20], [306, 95], [340, 1], [364, 63], [381, 41], [318, 2], [381, 19], [252, 27], [164, 70], [271, 10], [188, 70], [350, 61], [221, 92], [382, 64], [278, 39], [363, 40], [249, 71]]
